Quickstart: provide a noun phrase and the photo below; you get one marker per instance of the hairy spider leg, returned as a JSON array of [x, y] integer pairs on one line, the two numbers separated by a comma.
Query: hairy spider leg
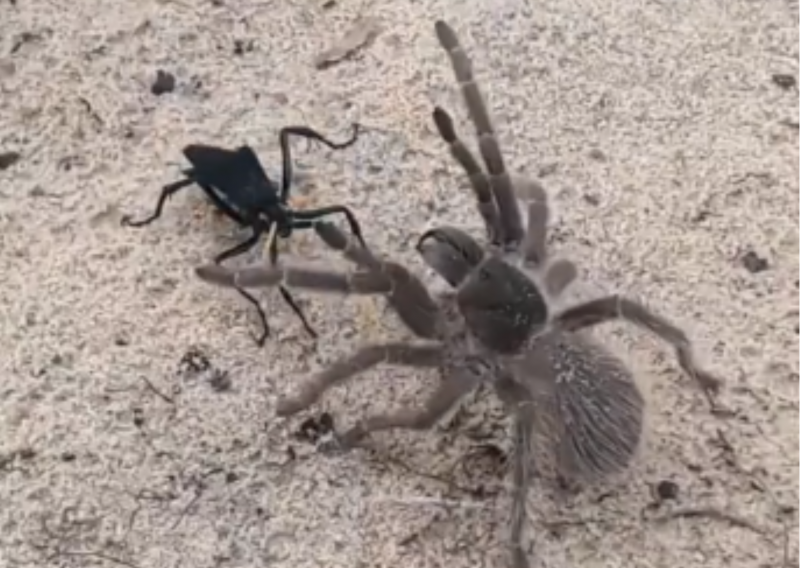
[[310, 134], [166, 192], [317, 214]]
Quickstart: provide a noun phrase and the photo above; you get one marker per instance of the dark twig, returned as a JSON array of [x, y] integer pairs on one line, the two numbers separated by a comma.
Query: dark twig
[[157, 392], [92, 554], [713, 514], [452, 485], [199, 490]]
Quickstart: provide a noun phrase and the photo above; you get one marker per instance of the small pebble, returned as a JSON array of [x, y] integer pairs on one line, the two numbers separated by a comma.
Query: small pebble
[[240, 46], [784, 81], [138, 417], [220, 381], [312, 429], [754, 263], [597, 155], [164, 83], [667, 490], [8, 159]]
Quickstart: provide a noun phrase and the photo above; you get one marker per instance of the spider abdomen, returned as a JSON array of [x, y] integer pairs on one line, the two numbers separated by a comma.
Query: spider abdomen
[[589, 412]]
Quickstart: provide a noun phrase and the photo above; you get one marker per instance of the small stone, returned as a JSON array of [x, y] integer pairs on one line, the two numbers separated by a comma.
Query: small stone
[[164, 83], [591, 199], [754, 263], [220, 381], [597, 155], [667, 490], [241, 46], [27, 454], [138, 417], [8, 159], [784, 81], [7, 68], [313, 429]]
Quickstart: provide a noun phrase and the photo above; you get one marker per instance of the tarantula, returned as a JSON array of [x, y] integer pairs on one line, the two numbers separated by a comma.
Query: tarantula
[[576, 407]]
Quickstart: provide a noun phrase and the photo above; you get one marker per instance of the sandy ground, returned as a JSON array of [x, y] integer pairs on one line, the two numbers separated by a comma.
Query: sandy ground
[[663, 139]]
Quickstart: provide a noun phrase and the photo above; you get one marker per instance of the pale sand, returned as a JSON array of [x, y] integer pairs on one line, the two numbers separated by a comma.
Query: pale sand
[[666, 118]]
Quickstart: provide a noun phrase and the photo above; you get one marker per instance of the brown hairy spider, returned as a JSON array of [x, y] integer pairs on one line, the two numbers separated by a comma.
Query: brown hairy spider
[[576, 407]]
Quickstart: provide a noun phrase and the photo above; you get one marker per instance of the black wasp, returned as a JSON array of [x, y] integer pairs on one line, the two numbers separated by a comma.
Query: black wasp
[[238, 186]]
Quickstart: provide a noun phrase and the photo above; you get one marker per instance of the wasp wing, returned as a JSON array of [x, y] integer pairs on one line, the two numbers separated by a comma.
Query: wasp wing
[[235, 177]]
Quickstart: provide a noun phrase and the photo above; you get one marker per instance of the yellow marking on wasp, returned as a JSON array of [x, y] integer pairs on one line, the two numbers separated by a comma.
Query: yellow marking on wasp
[[273, 234]]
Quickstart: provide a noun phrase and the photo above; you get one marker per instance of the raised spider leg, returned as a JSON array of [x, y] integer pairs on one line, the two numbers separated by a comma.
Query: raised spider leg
[[499, 179], [452, 388], [353, 251], [408, 296], [616, 307], [560, 273], [534, 244], [405, 354], [315, 214], [166, 192], [405, 293], [311, 134], [306, 278], [477, 177]]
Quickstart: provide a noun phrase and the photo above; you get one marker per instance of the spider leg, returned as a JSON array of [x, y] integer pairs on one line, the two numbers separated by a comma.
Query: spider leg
[[534, 243], [559, 275], [291, 276], [499, 178], [408, 296], [166, 192], [521, 481], [477, 177], [449, 391], [405, 354], [615, 307], [305, 132], [352, 250], [314, 214]]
